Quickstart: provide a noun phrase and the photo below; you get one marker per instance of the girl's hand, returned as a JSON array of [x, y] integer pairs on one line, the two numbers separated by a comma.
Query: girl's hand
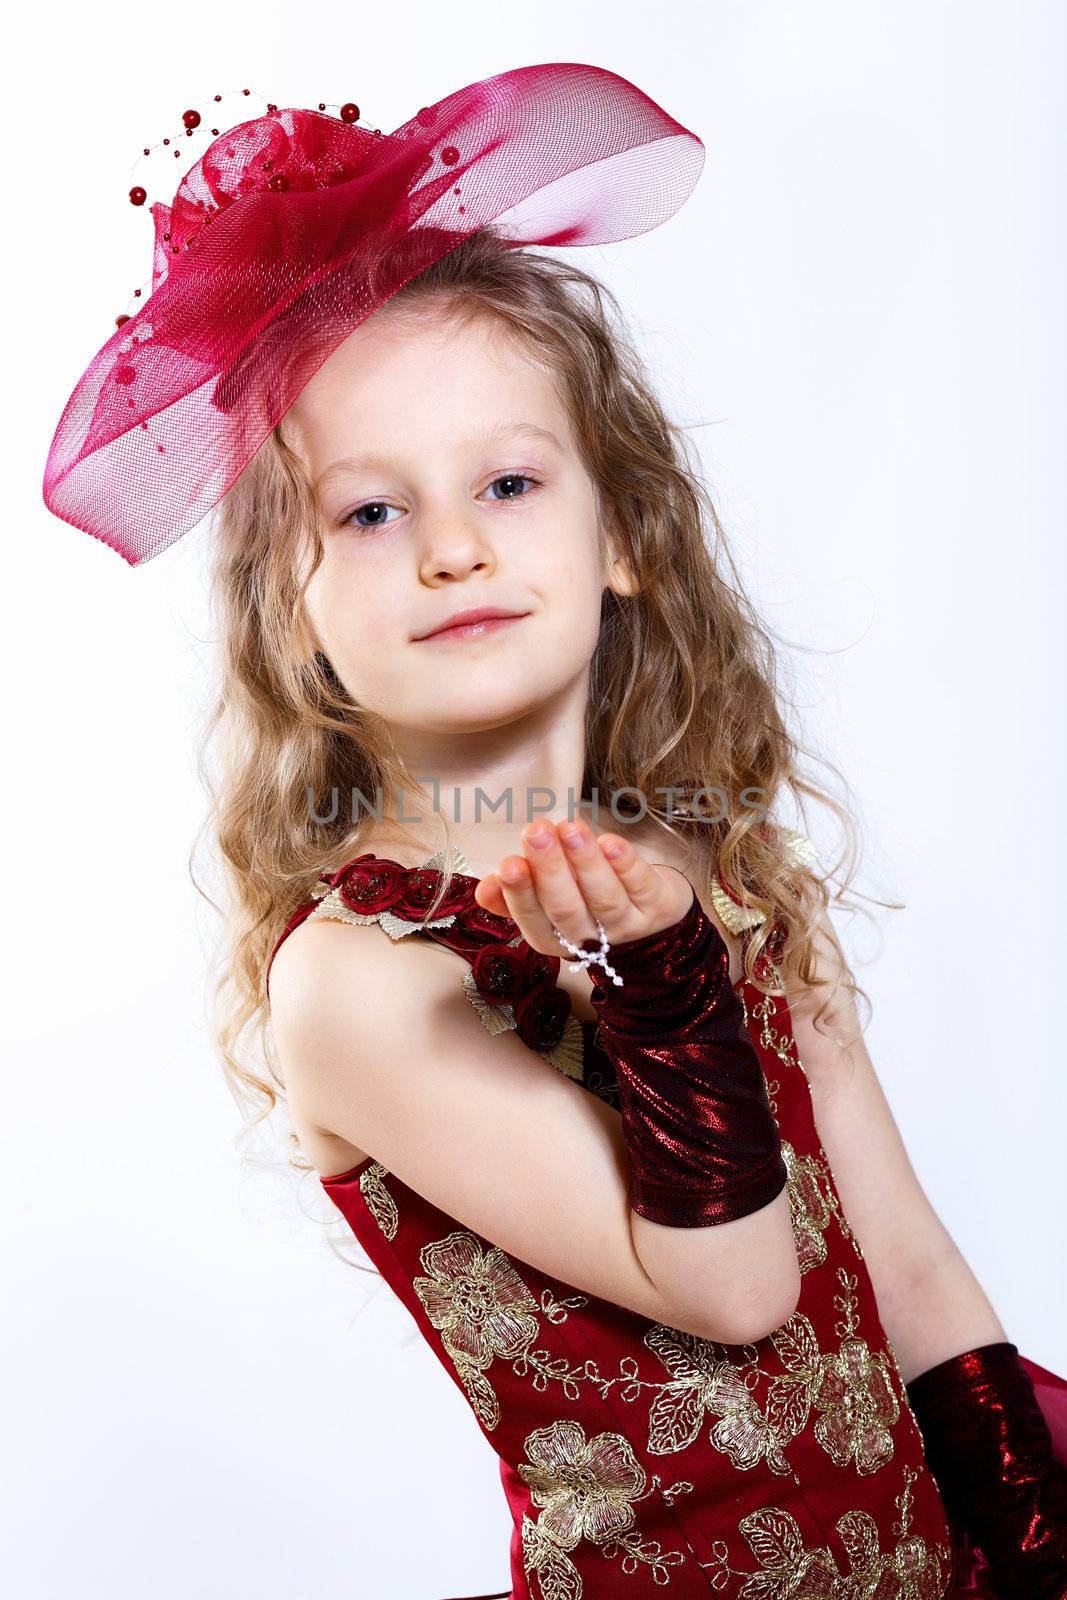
[[572, 884]]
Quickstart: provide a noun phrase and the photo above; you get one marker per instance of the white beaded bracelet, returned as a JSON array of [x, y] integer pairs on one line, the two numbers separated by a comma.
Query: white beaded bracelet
[[586, 958]]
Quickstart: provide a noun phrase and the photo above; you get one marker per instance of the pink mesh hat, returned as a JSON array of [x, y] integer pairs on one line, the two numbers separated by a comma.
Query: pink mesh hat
[[292, 229]]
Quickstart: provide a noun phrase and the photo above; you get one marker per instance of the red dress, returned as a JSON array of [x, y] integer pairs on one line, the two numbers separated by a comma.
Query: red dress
[[638, 1459]]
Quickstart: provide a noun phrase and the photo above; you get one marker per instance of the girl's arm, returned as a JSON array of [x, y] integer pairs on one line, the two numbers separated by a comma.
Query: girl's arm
[[380, 1045], [931, 1304], [986, 1438]]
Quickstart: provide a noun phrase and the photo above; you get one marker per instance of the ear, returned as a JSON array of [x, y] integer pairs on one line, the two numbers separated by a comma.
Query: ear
[[619, 576]]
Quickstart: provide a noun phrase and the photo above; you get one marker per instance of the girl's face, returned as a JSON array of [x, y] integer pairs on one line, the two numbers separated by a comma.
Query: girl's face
[[448, 479]]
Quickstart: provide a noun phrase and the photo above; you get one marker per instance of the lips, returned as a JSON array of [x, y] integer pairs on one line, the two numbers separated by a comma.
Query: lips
[[482, 618]]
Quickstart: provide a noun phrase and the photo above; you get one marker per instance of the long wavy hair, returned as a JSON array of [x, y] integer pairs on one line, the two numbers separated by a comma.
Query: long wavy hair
[[685, 682]]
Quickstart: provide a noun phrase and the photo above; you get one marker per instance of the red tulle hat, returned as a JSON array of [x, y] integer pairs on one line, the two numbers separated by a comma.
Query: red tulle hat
[[292, 228]]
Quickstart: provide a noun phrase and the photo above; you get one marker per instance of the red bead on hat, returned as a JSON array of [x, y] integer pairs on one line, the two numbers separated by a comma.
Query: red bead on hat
[[294, 227]]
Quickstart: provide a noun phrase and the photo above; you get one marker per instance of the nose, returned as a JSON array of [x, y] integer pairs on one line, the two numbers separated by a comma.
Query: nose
[[452, 549]]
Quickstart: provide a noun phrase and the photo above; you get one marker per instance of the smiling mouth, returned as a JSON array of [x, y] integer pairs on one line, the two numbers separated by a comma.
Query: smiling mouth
[[472, 630]]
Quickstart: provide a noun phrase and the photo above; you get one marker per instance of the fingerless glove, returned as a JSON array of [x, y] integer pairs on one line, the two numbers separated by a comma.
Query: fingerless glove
[[702, 1140], [988, 1446]]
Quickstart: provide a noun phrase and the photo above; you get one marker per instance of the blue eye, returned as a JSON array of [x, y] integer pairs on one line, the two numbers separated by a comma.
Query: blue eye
[[371, 505], [350, 518], [514, 477]]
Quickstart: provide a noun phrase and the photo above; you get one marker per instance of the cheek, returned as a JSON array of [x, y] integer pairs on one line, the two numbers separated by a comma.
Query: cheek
[[313, 607], [560, 557], [573, 608], [577, 583], [330, 617], [344, 599]]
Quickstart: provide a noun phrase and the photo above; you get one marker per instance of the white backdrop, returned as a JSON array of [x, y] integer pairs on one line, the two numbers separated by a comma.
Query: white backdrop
[[861, 312]]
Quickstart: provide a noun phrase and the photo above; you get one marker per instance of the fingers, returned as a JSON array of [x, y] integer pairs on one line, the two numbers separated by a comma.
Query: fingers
[[597, 877], [541, 890], [646, 890], [571, 883]]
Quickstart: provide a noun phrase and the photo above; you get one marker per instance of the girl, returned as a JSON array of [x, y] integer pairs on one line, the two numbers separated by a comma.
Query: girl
[[648, 1205]]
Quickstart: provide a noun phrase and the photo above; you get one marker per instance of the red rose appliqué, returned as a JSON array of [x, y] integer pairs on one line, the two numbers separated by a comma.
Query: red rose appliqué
[[423, 884], [541, 1015], [502, 973], [371, 885]]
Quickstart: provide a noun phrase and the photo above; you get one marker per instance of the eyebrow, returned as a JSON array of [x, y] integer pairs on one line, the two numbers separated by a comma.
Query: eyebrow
[[375, 461]]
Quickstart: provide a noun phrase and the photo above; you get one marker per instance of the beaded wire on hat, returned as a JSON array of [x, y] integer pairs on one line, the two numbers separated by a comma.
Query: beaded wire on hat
[[192, 124], [294, 227]]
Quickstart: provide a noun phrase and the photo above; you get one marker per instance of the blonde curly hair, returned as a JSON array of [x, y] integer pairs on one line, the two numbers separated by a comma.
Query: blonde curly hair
[[684, 683]]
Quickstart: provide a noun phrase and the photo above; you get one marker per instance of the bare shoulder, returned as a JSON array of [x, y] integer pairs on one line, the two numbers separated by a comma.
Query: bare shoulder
[[325, 978], [324, 953]]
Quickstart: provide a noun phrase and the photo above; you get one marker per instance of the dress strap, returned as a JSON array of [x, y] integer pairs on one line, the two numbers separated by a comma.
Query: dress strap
[[510, 985], [328, 899], [298, 916], [741, 920], [399, 914]]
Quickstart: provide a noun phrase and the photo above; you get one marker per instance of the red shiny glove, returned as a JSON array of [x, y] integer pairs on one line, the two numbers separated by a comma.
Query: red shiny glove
[[989, 1448], [703, 1143]]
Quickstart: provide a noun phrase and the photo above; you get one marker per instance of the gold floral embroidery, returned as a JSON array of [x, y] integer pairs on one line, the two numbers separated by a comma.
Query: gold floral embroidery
[[773, 1085], [809, 1208], [914, 1570], [556, 1310], [852, 1392], [902, 1389], [855, 1394], [823, 1166], [704, 1383], [380, 1202], [585, 1489], [782, 1044], [484, 1311], [813, 1199], [812, 1191]]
